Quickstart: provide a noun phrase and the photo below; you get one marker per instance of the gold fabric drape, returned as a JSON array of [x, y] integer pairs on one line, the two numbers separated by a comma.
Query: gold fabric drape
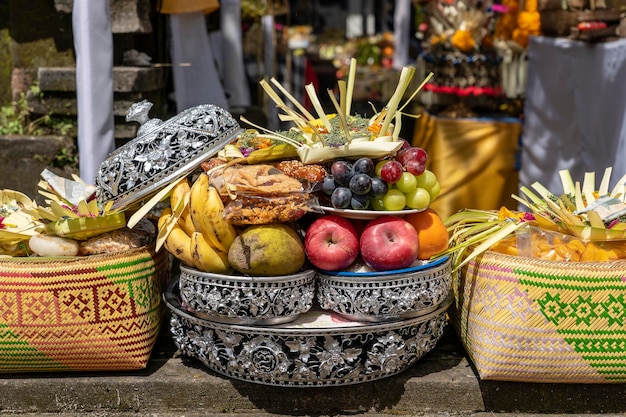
[[187, 6], [473, 159]]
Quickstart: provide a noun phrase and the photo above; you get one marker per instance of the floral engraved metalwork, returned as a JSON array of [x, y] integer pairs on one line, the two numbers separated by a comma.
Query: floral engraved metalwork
[[306, 357], [163, 151], [385, 297], [247, 300]]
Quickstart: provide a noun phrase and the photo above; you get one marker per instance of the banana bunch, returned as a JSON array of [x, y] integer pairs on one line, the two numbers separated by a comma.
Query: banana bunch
[[193, 228]]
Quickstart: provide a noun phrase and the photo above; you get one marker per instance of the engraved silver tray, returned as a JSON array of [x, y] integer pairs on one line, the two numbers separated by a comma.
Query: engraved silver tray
[[162, 152], [238, 299], [377, 297], [320, 348]]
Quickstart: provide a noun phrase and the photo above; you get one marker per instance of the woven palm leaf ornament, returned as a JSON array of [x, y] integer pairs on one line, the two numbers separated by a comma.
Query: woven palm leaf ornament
[[71, 209], [324, 136], [581, 210], [16, 226], [529, 319]]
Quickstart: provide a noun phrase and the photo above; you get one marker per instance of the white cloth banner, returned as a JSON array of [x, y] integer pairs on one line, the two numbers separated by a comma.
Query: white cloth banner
[[233, 70], [93, 42], [196, 79], [575, 111], [402, 33]]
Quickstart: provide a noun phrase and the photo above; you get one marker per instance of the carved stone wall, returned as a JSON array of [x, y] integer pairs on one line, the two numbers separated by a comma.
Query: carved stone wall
[[127, 16]]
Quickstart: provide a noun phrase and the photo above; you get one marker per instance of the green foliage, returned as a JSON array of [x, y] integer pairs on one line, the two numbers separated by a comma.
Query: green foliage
[[14, 117], [65, 157], [17, 119]]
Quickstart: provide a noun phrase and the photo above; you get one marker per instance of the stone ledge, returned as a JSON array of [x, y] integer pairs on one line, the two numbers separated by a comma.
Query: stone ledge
[[441, 382], [125, 79], [64, 104], [24, 157], [127, 16]]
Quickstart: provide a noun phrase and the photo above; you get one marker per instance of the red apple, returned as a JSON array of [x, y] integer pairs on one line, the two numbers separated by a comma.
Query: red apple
[[331, 243], [388, 243]]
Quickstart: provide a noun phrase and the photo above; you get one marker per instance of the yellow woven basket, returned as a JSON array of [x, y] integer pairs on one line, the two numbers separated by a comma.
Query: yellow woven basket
[[94, 313], [523, 319]]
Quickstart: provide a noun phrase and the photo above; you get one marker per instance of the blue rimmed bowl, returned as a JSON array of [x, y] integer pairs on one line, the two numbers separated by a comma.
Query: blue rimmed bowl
[[385, 296]]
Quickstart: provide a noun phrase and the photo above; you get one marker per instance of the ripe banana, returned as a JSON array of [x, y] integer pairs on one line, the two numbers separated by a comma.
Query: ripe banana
[[165, 215], [179, 194], [185, 222], [214, 211], [178, 243], [164, 226], [206, 258], [219, 234]]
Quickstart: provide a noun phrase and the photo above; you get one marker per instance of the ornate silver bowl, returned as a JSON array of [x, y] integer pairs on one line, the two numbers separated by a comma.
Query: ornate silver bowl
[[237, 299], [320, 348], [162, 151], [377, 297]]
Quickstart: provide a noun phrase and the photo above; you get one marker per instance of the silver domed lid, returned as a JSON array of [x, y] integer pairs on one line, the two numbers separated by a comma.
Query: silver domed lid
[[162, 151]]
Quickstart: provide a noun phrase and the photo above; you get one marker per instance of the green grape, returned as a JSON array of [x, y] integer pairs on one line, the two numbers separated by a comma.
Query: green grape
[[377, 203], [407, 182], [434, 192], [418, 199], [394, 200], [427, 180]]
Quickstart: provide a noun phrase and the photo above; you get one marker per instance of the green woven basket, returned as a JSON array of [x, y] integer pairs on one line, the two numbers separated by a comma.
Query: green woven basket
[[93, 313], [523, 319]]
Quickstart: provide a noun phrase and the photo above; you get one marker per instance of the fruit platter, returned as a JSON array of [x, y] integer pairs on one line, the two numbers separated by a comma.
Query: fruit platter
[[320, 233], [317, 234]]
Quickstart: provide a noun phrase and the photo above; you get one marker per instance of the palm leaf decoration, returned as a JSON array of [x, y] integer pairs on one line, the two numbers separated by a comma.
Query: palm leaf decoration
[[477, 231], [581, 210], [323, 135], [71, 210]]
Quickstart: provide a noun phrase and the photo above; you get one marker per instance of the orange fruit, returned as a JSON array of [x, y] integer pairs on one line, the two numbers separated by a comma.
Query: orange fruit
[[432, 234]]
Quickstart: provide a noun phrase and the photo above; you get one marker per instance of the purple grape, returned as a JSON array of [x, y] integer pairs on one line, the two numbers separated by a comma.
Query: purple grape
[[359, 202], [391, 172], [363, 165], [361, 184], [328, 184], [341, 197], [379, 187], [415, 167], [342, 172]]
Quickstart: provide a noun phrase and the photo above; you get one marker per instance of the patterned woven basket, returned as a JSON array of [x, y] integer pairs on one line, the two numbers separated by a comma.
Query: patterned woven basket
[[523, 319], [94, 313]]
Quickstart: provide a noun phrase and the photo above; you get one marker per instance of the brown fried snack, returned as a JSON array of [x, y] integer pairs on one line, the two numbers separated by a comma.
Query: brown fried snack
[[254, 179], [248, 210], [296, 169], [212, 163]]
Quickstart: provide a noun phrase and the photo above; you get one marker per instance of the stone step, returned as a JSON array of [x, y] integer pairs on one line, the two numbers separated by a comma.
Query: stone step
[[131, 84], [64, 104], [125, 79], [24, 157], [193, 413], [443, 383]]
